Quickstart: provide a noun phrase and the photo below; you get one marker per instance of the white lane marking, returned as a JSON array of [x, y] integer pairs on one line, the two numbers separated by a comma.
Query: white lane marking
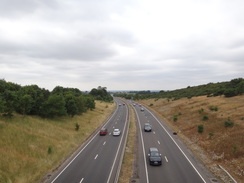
[[110, 133], [153, 132], [158, 142], [104, 143], [96, 156], [113, 126], [178, 147], [81, 180], [83, 148], [143, 147], [166, 159]]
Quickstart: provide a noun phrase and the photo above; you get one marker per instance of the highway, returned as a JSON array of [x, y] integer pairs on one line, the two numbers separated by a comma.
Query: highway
[[179, 165], [99, 160]]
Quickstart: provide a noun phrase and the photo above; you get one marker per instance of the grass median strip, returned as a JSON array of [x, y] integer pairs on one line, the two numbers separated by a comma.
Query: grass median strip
[[128, 160]]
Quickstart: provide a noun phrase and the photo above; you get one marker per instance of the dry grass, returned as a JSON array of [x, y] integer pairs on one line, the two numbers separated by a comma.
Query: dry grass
[[128, 160], [25, 141], [219, 144]]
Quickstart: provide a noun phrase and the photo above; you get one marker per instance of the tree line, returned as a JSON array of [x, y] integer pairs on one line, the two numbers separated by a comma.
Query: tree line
[[228, 89], [33, 100]]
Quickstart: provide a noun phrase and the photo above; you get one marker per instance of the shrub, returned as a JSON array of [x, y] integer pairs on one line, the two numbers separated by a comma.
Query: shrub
[[211, 134], [151, 105], [213, 108], [50, 150], [229, 123], [200, 110], [200, 128], [77, 126], [175, 118], [205, 118]]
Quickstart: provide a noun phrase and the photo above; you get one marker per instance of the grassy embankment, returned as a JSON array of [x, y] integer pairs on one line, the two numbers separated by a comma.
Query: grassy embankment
[[217, 144], [31, 146]]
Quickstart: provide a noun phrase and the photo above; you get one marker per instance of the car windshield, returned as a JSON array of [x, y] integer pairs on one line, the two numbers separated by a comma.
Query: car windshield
[[154, 154]]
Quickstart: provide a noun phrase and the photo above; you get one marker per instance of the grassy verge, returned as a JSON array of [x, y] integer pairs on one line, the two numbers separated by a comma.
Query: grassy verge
[[128, 160], [31, 146]]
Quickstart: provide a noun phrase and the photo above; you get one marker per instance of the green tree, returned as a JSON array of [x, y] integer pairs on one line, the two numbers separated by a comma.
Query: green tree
[[54, 106], [25, 103]]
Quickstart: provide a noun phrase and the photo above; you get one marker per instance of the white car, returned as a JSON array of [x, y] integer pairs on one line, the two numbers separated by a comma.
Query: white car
[[116, 132]]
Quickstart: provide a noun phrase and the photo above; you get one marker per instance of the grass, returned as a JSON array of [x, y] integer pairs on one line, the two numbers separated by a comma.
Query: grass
[[31, 146], [216, 139], [128, 160]]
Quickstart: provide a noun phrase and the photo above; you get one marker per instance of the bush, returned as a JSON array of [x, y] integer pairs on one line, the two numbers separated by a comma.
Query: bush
[[77, 126], [200, 128], [50, 150], [213, 108], [205, 118], [200, 110], [175, 118], [151, 105], [229, 123]]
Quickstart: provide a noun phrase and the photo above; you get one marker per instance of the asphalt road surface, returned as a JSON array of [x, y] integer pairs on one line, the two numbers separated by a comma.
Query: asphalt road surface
[[99, 160], [179, 165]]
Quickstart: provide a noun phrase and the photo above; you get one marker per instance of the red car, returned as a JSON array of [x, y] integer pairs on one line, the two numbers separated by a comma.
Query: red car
[[103, 131]]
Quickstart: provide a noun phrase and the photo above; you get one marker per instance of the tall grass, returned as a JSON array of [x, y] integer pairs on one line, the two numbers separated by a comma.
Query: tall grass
[[25, 142]]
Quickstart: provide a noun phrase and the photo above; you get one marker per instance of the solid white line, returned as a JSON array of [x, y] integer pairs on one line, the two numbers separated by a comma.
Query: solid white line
[[104, 143], [143, 147], [110, 174], [178, 147], [96, 156], [81, 180], [166, 159]]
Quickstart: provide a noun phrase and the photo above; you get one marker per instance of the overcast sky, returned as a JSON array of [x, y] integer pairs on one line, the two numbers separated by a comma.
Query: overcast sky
[[121, 44]]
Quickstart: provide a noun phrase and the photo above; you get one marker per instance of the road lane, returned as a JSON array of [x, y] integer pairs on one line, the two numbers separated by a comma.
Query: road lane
[[176, 165], [100, 158]]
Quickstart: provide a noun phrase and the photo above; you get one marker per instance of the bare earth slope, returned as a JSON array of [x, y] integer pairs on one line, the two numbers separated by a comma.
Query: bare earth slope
[[217, 144]]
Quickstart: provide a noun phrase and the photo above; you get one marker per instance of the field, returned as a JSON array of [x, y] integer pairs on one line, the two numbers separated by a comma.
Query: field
[[213, 127], [31, 146]]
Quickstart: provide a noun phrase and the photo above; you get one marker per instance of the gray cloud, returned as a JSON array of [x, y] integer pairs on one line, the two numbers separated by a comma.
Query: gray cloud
[[121, 44]]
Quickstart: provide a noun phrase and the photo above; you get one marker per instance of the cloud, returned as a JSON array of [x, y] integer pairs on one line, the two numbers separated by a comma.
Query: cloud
[[121, 44]]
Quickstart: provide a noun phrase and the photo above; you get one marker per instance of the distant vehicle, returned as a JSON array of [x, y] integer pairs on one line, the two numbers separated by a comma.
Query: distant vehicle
[[119, 104], [142, 109], [103, 131], [116, 132], [123, 103], [154, 156], [147, 127]]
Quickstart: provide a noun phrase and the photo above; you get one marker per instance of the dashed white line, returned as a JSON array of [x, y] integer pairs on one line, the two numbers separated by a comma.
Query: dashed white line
[[153, 132], [104, 143], [81, 180], [96, 156], [166, 159], [158, 142]]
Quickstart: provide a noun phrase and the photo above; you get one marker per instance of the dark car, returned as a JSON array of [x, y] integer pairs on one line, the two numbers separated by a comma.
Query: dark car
[[154, 156], [103, 131], [147, 127]]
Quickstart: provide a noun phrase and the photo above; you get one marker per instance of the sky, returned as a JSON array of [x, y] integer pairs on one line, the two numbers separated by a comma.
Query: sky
[[121, 44]]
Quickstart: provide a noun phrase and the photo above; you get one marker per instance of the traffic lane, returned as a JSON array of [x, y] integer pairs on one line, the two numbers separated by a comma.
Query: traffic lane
[[82, 162], [103, 161], [177, 168]]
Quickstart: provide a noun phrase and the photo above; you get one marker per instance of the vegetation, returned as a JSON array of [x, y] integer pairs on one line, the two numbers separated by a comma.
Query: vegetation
[[101, 94], [232, 88], [31, 146], [32, 100]]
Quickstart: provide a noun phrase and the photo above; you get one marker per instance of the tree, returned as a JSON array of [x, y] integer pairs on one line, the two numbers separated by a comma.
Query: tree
[[25, 103], [54, 106]]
